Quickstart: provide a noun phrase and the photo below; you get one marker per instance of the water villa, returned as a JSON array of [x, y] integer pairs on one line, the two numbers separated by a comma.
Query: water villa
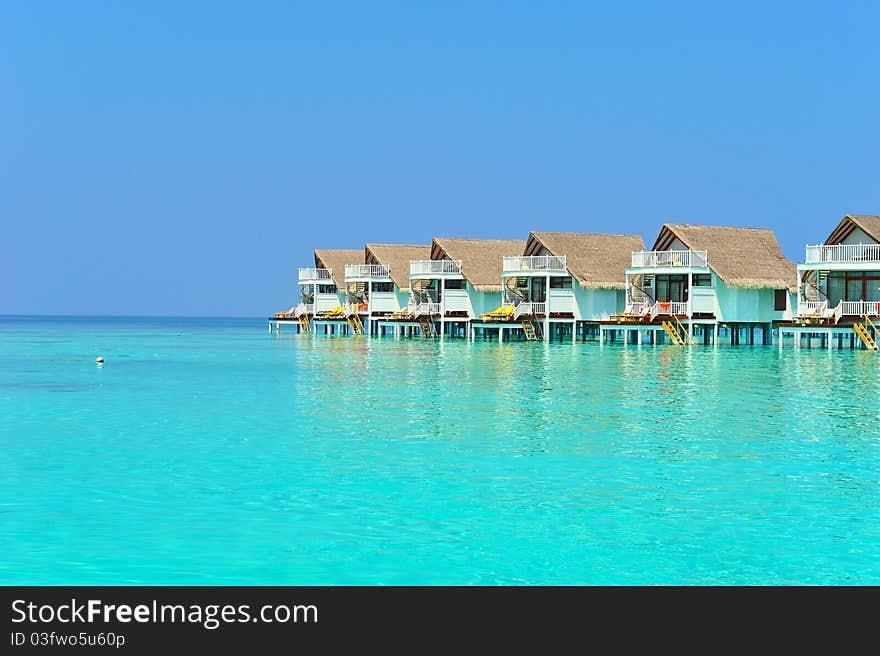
[[701, 283], [378, 287], [460, 282], [321, 296], [561, 286], [838, 298]]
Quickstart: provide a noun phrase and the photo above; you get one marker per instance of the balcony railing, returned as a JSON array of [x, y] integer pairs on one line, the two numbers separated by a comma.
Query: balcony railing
[[843, 253], [650, 259], [425, 309], [858, 309], [356, 308], [534, 263], [420, 267], [311, 274], [641, 307], [304, 309], [671, 308], [809, 309], [821, 310], [528, 309], [367, 271]]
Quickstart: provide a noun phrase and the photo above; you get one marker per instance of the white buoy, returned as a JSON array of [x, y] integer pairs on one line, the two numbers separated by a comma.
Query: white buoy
[[100, 359]]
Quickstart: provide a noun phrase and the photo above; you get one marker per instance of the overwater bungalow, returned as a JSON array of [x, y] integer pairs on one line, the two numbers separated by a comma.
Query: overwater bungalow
[[323, 288], [320, 289], [460, 281], [378, 287], [839, 287], [699, 282], [562, 285]]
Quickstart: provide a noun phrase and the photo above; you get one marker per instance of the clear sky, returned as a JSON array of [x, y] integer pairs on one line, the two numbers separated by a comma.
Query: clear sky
[[185, 158]]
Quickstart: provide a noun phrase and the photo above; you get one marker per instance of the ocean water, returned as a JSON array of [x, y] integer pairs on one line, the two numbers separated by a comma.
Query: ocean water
[[210, 452]]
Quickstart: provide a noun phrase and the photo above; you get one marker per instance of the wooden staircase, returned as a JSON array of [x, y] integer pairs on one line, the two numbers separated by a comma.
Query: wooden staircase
[[865, 334], [355, 323], [677, 333], [532, 330], [426, 324], [305, 326]]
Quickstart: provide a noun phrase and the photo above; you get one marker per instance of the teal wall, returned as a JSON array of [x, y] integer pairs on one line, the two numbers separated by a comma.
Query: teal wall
[[737, 304], [598, 304]]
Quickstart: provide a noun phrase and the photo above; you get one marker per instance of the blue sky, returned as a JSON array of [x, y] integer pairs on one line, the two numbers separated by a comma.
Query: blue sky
[[185, 158]]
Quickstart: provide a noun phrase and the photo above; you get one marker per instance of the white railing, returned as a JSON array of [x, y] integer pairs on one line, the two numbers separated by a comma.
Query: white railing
[[670, 259], [352, 308], [639, 307], [528, 309], [304, 309], [534, 263], [418, 267], [857, 309], [812, 308], [675, 308], [843, 253], [367, 271], [425, 309], [311, 274]]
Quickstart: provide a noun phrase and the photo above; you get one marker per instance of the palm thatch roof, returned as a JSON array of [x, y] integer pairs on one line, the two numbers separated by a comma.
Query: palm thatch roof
[[480, 258], [869, 224], [742, 257], [396, 256], [594, 260], [336, 259]]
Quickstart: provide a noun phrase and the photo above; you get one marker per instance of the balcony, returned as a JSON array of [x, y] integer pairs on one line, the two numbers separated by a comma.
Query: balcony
[[670, 308], [822, 310], [858, 309], [367, 271], [425, 309], [434, 267], [843, 253], [663, 259], [534, 263], [528, 309], [312, 275], [304, 310]]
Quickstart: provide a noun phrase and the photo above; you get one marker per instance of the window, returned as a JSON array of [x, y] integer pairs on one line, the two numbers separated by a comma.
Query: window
[[852, 286], [560, 283], [539, 291], [327, 289], [780, 299], [383, 286], [671, 288], [702, 280], [456, 284]]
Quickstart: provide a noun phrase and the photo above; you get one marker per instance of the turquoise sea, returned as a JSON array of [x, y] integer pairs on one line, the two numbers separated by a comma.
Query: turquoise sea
[[211, 452]]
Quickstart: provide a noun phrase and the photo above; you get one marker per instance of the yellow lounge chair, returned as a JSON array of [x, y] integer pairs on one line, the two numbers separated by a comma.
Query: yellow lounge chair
[[337, 312], [498, 314]]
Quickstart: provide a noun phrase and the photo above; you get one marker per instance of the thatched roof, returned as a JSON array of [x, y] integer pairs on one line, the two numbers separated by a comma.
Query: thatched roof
[[742, 257], [480, 258], [595, 260], [868, 223], [396, 256], [336, 259]]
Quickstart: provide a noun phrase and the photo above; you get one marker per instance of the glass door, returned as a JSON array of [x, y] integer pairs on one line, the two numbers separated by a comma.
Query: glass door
[[539, 290]]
